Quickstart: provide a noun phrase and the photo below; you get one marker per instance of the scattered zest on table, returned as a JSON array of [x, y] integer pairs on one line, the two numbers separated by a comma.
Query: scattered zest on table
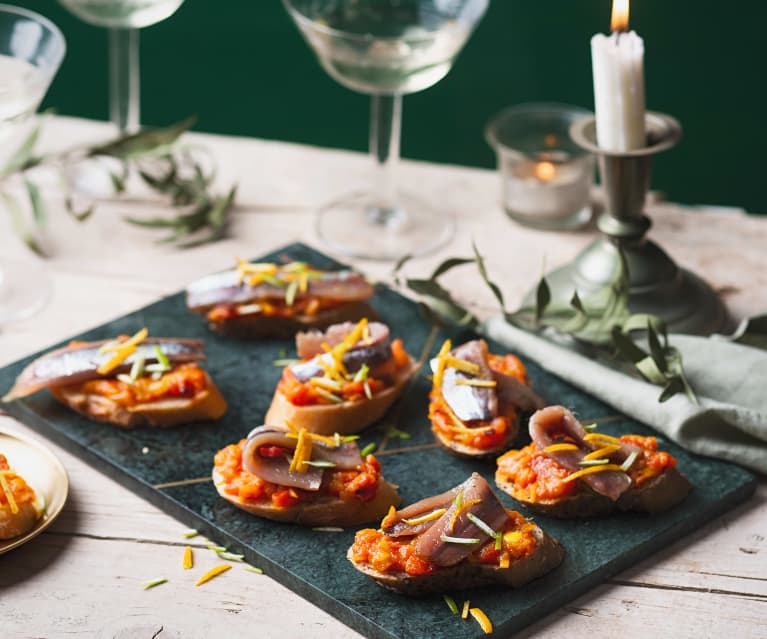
[[188, 561], [213, 572]]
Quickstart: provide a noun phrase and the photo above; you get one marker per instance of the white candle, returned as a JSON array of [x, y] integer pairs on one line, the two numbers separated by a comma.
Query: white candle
[[619, 95]]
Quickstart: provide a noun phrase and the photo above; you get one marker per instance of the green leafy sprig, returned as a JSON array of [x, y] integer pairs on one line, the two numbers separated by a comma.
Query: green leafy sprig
[[601, 322], [157, 156]]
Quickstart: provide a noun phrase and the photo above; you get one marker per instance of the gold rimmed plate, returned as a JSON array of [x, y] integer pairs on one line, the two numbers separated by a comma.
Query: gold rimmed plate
[[42, 471]]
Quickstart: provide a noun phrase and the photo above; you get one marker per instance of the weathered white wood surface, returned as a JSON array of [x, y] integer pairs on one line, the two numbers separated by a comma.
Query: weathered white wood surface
[[83, 577]]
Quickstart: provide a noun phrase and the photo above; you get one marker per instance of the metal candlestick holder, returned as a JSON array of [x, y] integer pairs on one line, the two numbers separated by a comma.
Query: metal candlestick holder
[[656, 284]]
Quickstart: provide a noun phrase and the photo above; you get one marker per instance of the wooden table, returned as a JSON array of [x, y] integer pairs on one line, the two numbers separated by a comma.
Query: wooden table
[[83, 577]]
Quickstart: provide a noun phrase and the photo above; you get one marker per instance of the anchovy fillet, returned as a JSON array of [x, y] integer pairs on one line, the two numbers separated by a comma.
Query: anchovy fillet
[[226, 288], [552, 420], [78, 363], [276, 470]]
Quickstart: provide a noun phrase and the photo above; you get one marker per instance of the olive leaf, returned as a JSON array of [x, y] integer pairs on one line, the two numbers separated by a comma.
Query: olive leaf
[[143, 143], [436, 302], [23, 159], [157, 157], [20, 226]]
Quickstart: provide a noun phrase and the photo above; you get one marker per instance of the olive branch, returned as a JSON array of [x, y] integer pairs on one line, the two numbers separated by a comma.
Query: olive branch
[[166, 166], [601, 322]]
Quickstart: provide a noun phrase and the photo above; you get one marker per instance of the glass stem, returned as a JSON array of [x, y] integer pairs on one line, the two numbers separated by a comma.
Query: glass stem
[[385, 124], [124, 99]]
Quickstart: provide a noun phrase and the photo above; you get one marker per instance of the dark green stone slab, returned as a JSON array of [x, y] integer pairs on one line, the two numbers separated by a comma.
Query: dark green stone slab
[[313, 563]]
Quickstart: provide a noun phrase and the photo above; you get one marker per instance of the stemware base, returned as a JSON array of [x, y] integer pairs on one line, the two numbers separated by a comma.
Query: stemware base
[[356, 225], [25, 289]]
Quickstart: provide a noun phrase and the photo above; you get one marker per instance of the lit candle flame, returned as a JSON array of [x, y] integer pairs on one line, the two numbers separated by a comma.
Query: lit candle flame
[[620, 17], [545, 171]]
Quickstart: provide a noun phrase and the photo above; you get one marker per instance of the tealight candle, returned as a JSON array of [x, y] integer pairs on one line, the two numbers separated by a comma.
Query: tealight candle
[[619, 90], [546, 179]]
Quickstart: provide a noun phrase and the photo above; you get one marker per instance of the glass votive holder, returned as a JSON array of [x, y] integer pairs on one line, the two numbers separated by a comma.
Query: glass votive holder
[[546, 177]]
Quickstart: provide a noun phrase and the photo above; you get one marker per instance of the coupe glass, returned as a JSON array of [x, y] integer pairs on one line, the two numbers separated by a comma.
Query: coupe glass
[[385, 48], [123, 18], [31, 50]]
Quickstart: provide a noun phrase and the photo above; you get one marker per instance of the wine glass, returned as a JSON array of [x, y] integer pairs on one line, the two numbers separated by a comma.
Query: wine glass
[[385, 48], [123, 18], [31, 51]]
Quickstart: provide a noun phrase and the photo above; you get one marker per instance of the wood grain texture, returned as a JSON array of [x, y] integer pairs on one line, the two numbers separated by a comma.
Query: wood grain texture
[[83, 578]]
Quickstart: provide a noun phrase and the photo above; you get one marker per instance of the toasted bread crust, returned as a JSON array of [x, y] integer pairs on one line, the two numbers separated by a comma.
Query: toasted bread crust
[[254, 326], [14, 525], [547, 555], [207, 405], [658, 494], [326, 511], [345, 418]]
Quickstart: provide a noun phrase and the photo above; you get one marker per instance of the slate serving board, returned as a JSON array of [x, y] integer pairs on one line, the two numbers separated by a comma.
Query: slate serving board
[[170, 469]]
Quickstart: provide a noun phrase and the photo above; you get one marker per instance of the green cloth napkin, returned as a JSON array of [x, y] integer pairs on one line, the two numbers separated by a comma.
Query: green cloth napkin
[[729, 379]]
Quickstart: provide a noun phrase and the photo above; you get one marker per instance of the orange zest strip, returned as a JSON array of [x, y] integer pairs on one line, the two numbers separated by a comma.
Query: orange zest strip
[[591, 470], [441, 364], [483, 620], [434, 514], [601, 438], [462, 365], [457, 512], [560, 448], [602, 452], [213, 572], [9, 494], [188, 561], [302, 453], [480, 383], [122, 351]]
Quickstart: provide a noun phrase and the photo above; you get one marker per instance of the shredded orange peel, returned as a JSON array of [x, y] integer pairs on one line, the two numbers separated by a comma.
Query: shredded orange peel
[[302, 453], [561, 448], [591, 470], [434, 514], [9, 494], [122, 350], [294, 276], [213, 572], [601, 438], [482, 619], [188, 561], [606, 451]]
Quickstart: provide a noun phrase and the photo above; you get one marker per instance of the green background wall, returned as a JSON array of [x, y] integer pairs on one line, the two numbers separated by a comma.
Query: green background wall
[[242, 67]]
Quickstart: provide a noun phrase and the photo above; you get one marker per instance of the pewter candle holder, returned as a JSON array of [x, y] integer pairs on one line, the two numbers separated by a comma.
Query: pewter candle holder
[[656, 284]]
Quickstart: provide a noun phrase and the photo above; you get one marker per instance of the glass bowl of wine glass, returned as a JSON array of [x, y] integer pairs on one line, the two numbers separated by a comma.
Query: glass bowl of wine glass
[[31, 51], [385, 48]]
